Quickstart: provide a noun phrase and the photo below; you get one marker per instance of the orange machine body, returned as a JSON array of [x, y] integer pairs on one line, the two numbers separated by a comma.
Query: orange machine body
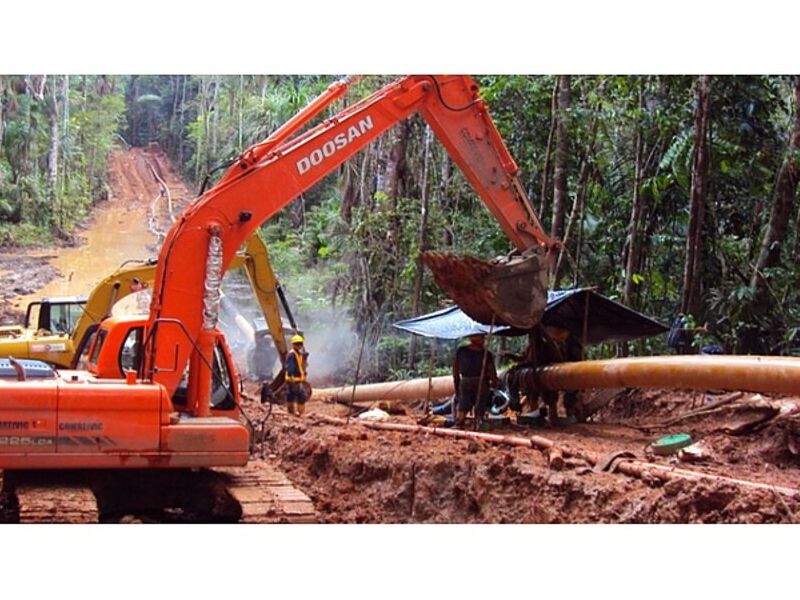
[[107, 418], [75, 420], [181, 407]]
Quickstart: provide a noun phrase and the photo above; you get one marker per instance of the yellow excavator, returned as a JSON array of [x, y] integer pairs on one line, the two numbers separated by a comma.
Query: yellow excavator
[[58, 330]]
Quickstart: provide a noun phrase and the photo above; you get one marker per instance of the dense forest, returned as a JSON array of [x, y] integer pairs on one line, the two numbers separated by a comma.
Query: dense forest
[[670, 193]]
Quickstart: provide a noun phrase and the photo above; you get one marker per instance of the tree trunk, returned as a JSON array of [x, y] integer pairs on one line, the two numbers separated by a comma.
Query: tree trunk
[[422, 242], [171, 138], [692, 275], [782, 207], [240, 146], [548, 152], [396, 162], [130, 101], [394, 185], [215, 120], [182, 121], [579, 243], [562, 159], [52, 152], [362, 176], [2, 107], [199, 168], [576, 214], [446, 176], [64, 137], [635, 227]]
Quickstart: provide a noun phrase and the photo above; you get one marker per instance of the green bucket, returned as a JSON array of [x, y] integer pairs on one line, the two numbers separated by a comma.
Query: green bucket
[[670, 444]]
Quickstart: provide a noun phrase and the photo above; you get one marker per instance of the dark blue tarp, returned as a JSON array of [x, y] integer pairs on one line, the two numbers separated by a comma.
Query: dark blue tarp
[[608, 321]]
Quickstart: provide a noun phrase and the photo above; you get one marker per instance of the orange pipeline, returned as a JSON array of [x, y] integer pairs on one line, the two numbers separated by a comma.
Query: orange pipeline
[[763, 374]]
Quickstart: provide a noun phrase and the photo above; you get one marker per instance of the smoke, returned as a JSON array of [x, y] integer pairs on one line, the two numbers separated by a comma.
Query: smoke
[[332, 343], [329, 332]]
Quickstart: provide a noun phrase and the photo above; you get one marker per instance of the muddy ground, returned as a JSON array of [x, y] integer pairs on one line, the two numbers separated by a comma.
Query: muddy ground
[[354, 474], [358, 475]]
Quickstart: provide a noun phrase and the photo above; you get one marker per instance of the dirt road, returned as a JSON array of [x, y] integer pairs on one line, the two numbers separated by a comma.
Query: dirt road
[[124, 227]]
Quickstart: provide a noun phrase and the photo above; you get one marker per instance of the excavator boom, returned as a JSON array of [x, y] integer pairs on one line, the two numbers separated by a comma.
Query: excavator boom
[[249, 194]]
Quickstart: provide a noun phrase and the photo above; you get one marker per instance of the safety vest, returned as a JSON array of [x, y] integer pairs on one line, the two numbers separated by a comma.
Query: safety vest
[[298, 357]]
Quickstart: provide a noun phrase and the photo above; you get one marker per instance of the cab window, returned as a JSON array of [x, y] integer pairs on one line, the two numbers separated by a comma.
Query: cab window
[[98, 344], [64, 317], [32, 314], [81, 360], [221, 382], [130, 356]]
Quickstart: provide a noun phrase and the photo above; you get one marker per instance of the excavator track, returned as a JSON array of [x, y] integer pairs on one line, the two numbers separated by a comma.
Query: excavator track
[[266, 495], [44, 498], [57, 504], [256, 493]]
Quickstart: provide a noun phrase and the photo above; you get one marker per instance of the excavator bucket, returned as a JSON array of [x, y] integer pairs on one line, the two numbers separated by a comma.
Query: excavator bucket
[[505, 291]]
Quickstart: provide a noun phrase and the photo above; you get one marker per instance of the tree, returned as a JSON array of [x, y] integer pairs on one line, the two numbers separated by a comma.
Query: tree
[[692, 275], [562, 158], [52, 154], [635, 230], [783, 200]]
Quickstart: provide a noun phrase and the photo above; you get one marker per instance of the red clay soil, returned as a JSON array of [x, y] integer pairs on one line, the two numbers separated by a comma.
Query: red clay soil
[[358, 475]]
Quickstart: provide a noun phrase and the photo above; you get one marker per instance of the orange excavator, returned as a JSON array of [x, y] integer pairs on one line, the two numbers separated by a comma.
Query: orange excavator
[[162, 391]]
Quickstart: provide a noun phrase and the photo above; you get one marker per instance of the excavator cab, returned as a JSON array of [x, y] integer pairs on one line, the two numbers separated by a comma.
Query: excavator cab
[[55, 315], [46, 333], [127, 334]]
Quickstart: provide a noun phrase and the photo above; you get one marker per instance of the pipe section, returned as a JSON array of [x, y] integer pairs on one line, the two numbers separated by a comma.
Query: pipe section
[[440, 387], [762, 374]]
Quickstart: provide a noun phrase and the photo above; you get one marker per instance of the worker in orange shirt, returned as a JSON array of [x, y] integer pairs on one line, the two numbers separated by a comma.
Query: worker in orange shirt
[[296, 362]]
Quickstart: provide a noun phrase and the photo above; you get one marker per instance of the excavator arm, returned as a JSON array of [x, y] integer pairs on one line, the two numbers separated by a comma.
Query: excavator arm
[[266, 289], [126, 280], [201, 245]]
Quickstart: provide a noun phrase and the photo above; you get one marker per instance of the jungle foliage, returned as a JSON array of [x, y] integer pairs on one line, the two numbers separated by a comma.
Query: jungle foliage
[[56, 132]]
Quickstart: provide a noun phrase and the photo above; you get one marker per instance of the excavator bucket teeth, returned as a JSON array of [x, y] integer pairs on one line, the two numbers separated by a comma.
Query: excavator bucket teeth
[[506, 291]]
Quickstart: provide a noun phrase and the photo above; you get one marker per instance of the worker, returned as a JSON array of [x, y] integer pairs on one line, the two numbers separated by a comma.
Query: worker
[[514, 381], [563, 346], [296, 362], [681, 334], [474, 375]]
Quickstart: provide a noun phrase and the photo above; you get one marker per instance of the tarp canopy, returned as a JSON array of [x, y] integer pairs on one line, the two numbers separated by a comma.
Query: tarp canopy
[[607, 320], [446, 324]]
